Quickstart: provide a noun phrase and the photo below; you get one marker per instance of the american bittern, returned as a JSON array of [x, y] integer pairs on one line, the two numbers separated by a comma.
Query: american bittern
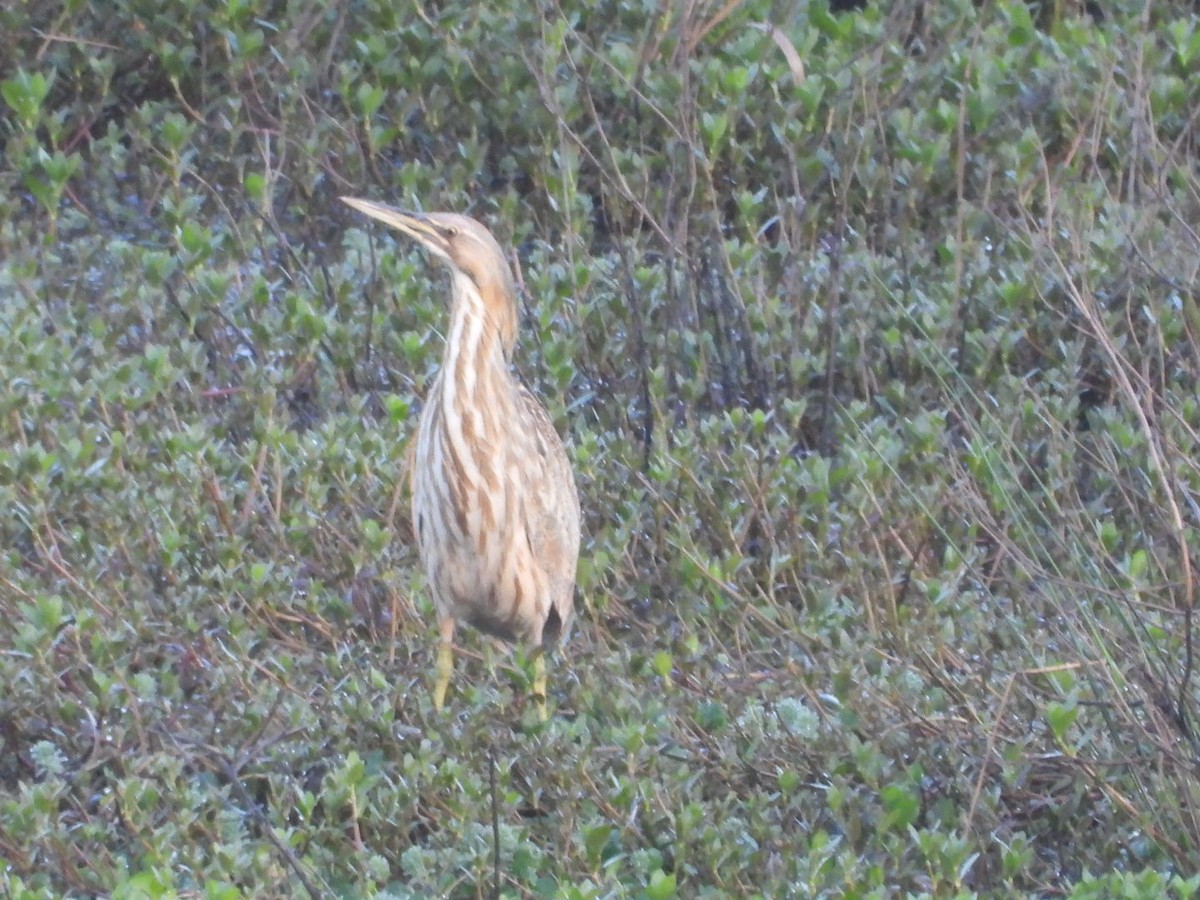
[[494, 504]]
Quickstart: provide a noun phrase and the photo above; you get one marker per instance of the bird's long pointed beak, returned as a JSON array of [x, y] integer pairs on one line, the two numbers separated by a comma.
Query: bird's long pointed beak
[[415, 225]]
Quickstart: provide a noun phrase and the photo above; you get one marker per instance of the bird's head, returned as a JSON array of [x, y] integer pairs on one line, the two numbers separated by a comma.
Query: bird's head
[[466, 246]]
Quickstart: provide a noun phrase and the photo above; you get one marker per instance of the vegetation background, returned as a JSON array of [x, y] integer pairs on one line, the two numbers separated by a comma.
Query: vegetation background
[[875, 334]]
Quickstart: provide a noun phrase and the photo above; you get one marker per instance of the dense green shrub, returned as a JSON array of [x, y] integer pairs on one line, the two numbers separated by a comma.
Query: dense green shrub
[[875, 335]]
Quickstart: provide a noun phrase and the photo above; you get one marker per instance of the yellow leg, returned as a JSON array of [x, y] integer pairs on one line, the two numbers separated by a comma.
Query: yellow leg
[[539, 683], [445, 661]]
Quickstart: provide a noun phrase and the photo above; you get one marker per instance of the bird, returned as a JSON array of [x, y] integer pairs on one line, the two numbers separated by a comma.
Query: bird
[[495, 508]]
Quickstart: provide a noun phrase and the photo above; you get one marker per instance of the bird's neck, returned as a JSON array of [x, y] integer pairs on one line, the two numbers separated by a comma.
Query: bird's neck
[[475, 365]]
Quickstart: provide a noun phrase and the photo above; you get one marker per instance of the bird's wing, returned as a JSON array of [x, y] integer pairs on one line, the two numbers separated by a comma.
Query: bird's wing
[[552, 509]]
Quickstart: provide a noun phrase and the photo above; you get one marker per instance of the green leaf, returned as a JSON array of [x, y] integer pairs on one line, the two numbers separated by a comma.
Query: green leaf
[[24, 94], [1109, 535], [1060, 717], [398, 408], [714, 126], [355, 770], [46, 614], [255, 185], [661, 887], [369, 99], [711, 717], [827, 23], [901, 805], [596, 844], [1138, 563], [1021, 29], [662, 664]]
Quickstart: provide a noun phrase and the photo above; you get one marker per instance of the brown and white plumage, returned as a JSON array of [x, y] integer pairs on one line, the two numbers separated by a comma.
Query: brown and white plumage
[[494, 503]]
